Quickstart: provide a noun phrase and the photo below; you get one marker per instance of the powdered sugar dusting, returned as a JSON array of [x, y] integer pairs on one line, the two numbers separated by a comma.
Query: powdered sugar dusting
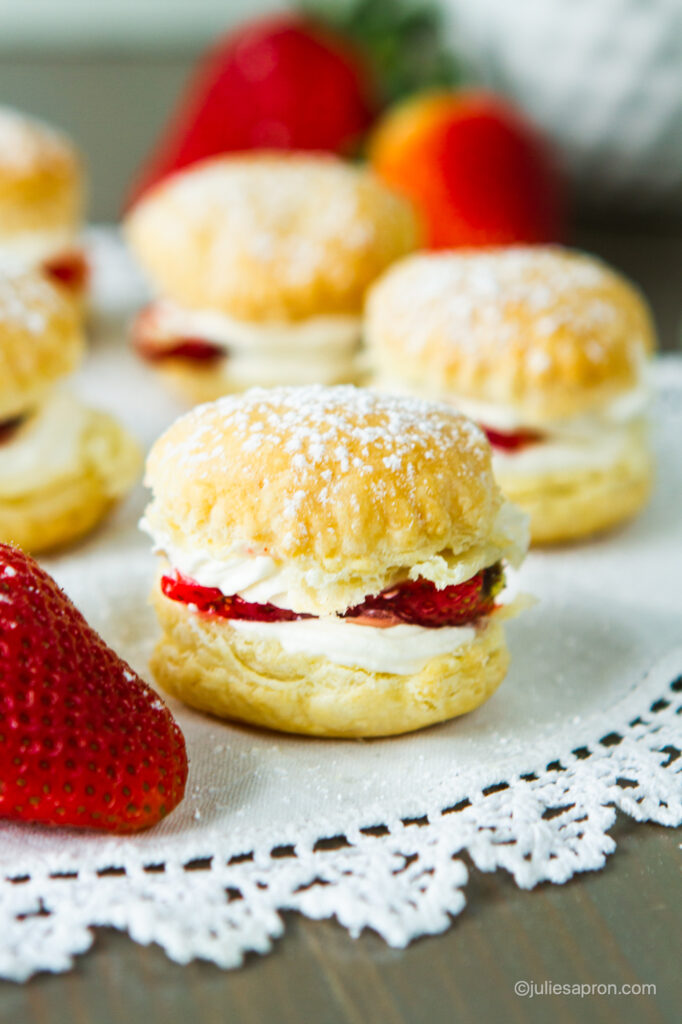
[[26, 301], [25, 142], [285, 213], [329, 433], [463, 298]]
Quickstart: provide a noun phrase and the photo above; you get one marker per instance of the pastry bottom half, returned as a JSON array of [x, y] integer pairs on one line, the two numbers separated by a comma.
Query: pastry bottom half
[[568, 505], [211, 666], [196, 383], [68, 507]]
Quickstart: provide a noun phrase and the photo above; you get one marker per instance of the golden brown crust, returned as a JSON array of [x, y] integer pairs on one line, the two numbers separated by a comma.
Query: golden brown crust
[[40, 340], [67, 508], [271, 237], [546, 331], [567, 506], [211, 666], [341, 480], [41, 177]]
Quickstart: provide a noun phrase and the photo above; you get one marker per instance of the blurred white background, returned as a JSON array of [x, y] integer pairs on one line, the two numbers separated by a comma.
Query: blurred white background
[[603, 78]]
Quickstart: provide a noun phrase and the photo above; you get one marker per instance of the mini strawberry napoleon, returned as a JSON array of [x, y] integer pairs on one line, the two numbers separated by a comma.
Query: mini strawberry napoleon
[[84, 741], [260, 264], [332, 560], [63, 465], [42, 196]]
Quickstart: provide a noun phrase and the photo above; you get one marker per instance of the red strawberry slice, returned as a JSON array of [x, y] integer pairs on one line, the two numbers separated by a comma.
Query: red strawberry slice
[[83, 740], [279, 82], [421, 603], [212, 601], [70, 269], [8, 428], [194, 350], [511, 441], [418, 602], [154, 344]]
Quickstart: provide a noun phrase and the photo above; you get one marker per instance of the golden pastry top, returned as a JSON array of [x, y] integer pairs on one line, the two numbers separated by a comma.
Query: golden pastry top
[[41, 177], [546, 331], [40, 340], [270, 236], [347, 484]]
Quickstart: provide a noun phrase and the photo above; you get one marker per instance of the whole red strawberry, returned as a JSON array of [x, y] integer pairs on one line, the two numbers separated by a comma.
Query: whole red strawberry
[[83, 740], [478, 173], [280, 82]]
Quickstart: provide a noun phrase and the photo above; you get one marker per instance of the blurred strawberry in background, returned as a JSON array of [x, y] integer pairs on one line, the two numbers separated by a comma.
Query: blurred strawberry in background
[[282, 82], [476, 170]]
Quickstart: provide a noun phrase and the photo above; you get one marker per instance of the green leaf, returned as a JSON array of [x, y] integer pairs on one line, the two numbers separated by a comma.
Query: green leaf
[[403, 41]]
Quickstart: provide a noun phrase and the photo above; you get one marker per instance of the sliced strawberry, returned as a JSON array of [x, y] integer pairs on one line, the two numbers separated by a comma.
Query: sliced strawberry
[[193, 349], [69, 269], [511, 441], [83, 740], [212, 601], [154, 345], [8, 428], [421, 603], [418, 602]]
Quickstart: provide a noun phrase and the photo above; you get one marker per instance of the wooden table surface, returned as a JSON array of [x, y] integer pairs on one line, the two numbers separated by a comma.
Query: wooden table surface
[[621, 926]]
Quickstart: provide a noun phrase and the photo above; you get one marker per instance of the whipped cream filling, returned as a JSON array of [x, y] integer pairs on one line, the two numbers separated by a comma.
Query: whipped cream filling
[[594, 440], [254, 577], [401, 649], [320, 349], [555, 454], [623, 408], [260, 578], [398, 650], [30, 248], [47, 447]]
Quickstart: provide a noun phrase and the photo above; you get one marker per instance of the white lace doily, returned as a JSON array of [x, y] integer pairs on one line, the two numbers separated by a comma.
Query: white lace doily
[[587, 722]]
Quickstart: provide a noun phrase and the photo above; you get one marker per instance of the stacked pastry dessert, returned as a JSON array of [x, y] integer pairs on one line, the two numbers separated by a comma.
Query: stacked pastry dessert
[[61, 465], [547, 350], [261, 264], [41, 202], [332, 561]]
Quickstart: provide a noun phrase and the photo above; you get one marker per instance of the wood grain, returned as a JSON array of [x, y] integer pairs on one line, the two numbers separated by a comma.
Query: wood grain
[[618, 926]]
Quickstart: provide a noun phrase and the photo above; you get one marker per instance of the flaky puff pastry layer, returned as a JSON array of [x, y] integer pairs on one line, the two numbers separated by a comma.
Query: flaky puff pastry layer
[[211, 666], [275, 237], [565, 506], [41, 340], [70, 506], [347, 484], [41, 178], [548, 332]]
